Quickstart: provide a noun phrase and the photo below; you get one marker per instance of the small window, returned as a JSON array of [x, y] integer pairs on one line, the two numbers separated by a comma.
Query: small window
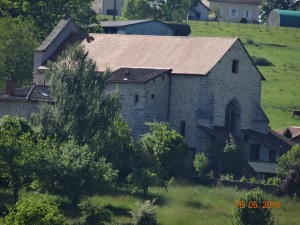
[[235, 66], [152, 96], [182, 128], [136, 99], [272, 155], [255, 152], [233, 13]]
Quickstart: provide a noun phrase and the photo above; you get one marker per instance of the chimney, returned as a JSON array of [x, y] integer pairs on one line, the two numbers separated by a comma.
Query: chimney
[[10, 86]]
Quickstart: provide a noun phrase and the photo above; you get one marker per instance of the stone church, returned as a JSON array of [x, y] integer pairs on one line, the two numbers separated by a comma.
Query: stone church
[[204, 87]]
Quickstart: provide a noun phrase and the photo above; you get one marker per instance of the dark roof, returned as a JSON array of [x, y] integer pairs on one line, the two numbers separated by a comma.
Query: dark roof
[[254, 2], [295, 131], [136, 75], [272, 139], [34, 93], [220, 133], [263, 167], [122, 23]]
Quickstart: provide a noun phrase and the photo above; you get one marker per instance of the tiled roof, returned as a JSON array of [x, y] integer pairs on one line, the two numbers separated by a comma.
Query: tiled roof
[[263, 167], [136, 75], [271, 139], [33, 93], [295, 131], [254, 2], [121, 23], [185, 55]]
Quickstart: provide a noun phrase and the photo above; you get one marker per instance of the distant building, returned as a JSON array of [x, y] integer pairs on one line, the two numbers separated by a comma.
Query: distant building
[[106, 7], [199, 12], [291, 132], [143, 27], [235, 10], [284, 18]]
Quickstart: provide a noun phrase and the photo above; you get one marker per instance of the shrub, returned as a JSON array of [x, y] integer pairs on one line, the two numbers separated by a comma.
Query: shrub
[[261, 61], [180, 29], [35, 211], [228, 176], [243, 20], [291, 184], [145, 214], [251, 211], [253, 180], [200, 162], [286, 161], [92, 214], [250, 42], [275, 181], [243, 179]]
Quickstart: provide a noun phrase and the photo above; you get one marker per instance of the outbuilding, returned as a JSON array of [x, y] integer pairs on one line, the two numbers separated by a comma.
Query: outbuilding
[[284, 18]]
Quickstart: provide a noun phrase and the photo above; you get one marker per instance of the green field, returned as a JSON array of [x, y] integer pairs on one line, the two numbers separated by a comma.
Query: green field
[[184, 205], [281, 46]]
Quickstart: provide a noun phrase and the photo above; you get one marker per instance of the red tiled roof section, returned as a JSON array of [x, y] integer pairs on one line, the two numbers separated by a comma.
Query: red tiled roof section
[[184, 55], [254, 2], [295, 131]]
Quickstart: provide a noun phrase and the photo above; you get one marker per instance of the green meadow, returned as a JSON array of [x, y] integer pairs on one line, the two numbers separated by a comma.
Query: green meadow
[[280, 46]]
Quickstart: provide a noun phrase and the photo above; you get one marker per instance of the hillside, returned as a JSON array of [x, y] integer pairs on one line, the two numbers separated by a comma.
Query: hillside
[[280, 46]]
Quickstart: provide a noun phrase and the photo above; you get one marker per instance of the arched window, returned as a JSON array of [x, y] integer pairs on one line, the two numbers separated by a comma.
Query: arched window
[[231, 117]]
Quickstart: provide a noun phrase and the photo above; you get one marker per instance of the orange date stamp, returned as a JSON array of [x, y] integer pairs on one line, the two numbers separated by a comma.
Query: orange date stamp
[[255, 204]]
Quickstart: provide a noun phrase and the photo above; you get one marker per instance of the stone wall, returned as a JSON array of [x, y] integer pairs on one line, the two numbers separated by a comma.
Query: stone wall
[[18, 108]]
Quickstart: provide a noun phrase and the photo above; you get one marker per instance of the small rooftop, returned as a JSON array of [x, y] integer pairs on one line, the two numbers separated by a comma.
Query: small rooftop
[[122, 23], [136, 75], [254, 2]]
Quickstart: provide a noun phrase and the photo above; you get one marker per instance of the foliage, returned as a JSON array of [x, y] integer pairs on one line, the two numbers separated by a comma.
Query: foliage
[[93, 214], [253, 180], [165, 149], [252, 215], [286, 161], [16, 151], [228, 176], [18, 39], [200, 162], [142, 179], [71, 170], [243, 20], [35, 211], [180, 29], [82, 110], [145, 214], [119, 148], [243, 179], [46, 14], [215, 13], [261, 61], [275, 181], [268, 5], [291, 184], [172, 10]]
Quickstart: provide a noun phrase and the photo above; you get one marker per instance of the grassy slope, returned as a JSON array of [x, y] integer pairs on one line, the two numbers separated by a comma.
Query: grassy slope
[[280, 92], [185, 205]]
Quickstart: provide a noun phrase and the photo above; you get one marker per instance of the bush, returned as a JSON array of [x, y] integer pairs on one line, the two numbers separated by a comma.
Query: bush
[[261, 61], [275, 181], [253, 180], [35, 211], [250, 42], [228, 176], [243, 20], [291, 184], [252, 213], [180, 29], [243, 179], [145, 214], [286, 161], [200, 162], [92, 214]]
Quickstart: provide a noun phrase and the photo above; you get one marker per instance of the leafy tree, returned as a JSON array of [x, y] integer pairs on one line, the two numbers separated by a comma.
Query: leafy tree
[[18, 39], [286, 161], [268, 5], [145, 214], [249, 209], [143, 178], [82, 110], [35, 211], [71, 170], [200, 162], [171, 10], [16, 151], [46, 14], [291, 184], [165, 149]]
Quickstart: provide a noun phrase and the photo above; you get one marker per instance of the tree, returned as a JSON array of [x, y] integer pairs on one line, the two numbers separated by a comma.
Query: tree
[[18, 40], [165, 149], [46, 14], [82, 110], [268, 5], [171, 10], [35, 211], [200, 162], [286, 161], [291, 184], [16, 151], [145, 214], [249, 209], [72, 171]]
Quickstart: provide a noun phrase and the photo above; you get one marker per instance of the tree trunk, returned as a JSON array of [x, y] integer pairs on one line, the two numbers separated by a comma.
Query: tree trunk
[[15, 194], [145, 192]]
